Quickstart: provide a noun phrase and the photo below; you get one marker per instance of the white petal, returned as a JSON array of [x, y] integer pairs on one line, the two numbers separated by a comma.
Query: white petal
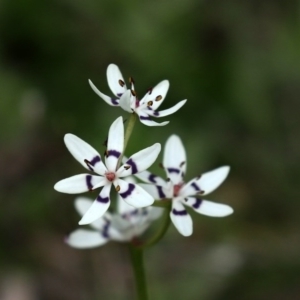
[[149, 177], [111, 101], [133, 194], [174, 160], [146, 120], [166, 112], [84, 153], [209, 181], [82, 239], [209, 208], [115, 80], [98, 208], [82, 205], [181, 219], [156, 191], [79, 184], [115, 144], [155, 213], [140, 161], [125, 101], [156, 95]]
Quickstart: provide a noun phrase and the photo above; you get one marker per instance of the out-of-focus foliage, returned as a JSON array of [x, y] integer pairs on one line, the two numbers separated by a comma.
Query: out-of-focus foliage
[[237, 62]]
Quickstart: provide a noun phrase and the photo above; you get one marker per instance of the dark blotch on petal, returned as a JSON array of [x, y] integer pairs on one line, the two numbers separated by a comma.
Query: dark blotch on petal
[[197, 203], [152, 178], [173, 170], [161, 194], [127, 193], [145, 118], [102, 200], [105, 230], [115, 101], [179, 212], [88, 180], [195, 186], [114, 153], [133, 165]]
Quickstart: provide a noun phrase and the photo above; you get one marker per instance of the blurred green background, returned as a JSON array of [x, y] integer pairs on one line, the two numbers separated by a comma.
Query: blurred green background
[[237, 63]]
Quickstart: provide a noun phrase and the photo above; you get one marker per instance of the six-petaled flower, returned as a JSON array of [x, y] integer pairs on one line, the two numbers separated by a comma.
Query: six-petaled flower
[[181, 193], [108, 174], [126, 225], [128, 100]]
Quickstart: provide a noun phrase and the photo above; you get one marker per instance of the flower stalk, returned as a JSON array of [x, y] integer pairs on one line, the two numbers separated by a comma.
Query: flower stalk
[[137, 262]]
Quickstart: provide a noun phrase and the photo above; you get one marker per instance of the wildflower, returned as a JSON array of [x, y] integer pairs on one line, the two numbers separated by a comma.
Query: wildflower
[[108, 173], [127, 98], [124, 226], [181, 193]]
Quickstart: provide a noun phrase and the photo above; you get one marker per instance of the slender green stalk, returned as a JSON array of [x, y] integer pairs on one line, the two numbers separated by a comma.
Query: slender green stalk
[[129, 129], [162, 229], [137, 261]]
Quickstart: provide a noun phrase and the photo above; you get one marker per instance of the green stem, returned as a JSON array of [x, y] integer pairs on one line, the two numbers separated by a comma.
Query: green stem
[[137, 262], [128, 132], [162, 229]]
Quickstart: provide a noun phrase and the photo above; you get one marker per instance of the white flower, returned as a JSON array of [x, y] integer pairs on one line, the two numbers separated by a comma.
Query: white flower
[[127, 99], [108, 173], [182, 193], [124, 226]]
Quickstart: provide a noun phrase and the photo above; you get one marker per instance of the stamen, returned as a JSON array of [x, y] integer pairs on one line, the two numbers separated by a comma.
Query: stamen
[[158, 98], [126, 167], [131, 80], [133, 93], [150, 103], [150, 91], [182, 164], [118, 188], [121, 83]]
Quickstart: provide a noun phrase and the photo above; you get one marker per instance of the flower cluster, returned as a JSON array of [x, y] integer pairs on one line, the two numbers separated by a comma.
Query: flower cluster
[[134, 211]]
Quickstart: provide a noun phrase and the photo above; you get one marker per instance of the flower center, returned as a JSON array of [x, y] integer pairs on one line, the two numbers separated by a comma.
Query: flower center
[[110, 176], [176, 189]]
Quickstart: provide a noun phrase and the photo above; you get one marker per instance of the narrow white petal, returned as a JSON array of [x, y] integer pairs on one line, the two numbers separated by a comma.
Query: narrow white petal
[[79, 184], [155, 213], [82, 205], [98, 208], [174, 160], [209, 181], [113, 101], [115, 144], [133, 194], [146, 120], [156, 95], [166, 112], [181, 219], [209, 208], [149, 177], [139, 161], [156, 191], [83, 239], [84, 153], [125, 101], [115, 80]]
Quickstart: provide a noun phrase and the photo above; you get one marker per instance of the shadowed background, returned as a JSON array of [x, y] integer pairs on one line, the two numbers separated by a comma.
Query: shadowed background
[[237, 63]]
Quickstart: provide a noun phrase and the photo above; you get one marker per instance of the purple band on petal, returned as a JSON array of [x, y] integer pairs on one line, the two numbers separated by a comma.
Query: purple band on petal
[[161, 194], [103, 200], [173, 170], [114, 153], [144, 211], [197, 203], [131, 163], [179, 212], [156, 113], [152, 178], [105, 230], [114, 101], [119, 94], [131, 187], [145, 118], [88, 180], [196, 186], [92, 162]]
